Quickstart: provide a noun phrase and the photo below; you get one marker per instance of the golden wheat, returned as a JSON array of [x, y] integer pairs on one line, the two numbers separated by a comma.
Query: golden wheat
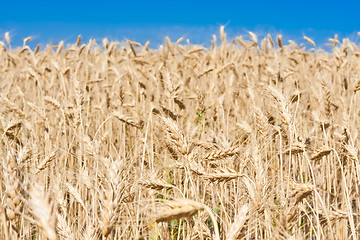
[[252, 139]]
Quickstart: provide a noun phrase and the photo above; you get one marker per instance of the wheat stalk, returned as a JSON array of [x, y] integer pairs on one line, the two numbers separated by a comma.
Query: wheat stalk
[[42, 208], [236, 227], [59, 48], [63, 228], [201, 229], [132, 44], [242, 42]]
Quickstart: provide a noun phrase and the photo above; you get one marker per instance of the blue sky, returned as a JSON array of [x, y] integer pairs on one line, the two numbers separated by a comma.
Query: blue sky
[[52, 21]]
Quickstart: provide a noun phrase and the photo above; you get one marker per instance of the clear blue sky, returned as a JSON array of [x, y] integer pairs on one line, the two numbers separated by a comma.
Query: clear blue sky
[[52, 21]]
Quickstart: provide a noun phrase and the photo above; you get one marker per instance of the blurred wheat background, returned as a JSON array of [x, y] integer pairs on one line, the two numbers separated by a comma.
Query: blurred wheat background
[[246, 139]]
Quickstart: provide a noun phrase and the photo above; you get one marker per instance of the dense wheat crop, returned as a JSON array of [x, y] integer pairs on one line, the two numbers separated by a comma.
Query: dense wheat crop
[[253, 139]]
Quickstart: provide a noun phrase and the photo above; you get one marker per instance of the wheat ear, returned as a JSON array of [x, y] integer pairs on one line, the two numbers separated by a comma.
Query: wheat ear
[[310, 41], [321, 152], [221, 175], [237, 225], [111, 195], [222, 153], [129, 120], [184, 208], [12, 179], [176, 136], [43, 210]]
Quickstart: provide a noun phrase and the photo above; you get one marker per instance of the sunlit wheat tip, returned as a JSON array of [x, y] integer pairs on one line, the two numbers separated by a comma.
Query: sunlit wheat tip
[[310, 41]]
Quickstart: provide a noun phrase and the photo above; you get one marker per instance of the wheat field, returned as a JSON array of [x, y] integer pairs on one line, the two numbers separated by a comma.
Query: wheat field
[[245, 139]]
